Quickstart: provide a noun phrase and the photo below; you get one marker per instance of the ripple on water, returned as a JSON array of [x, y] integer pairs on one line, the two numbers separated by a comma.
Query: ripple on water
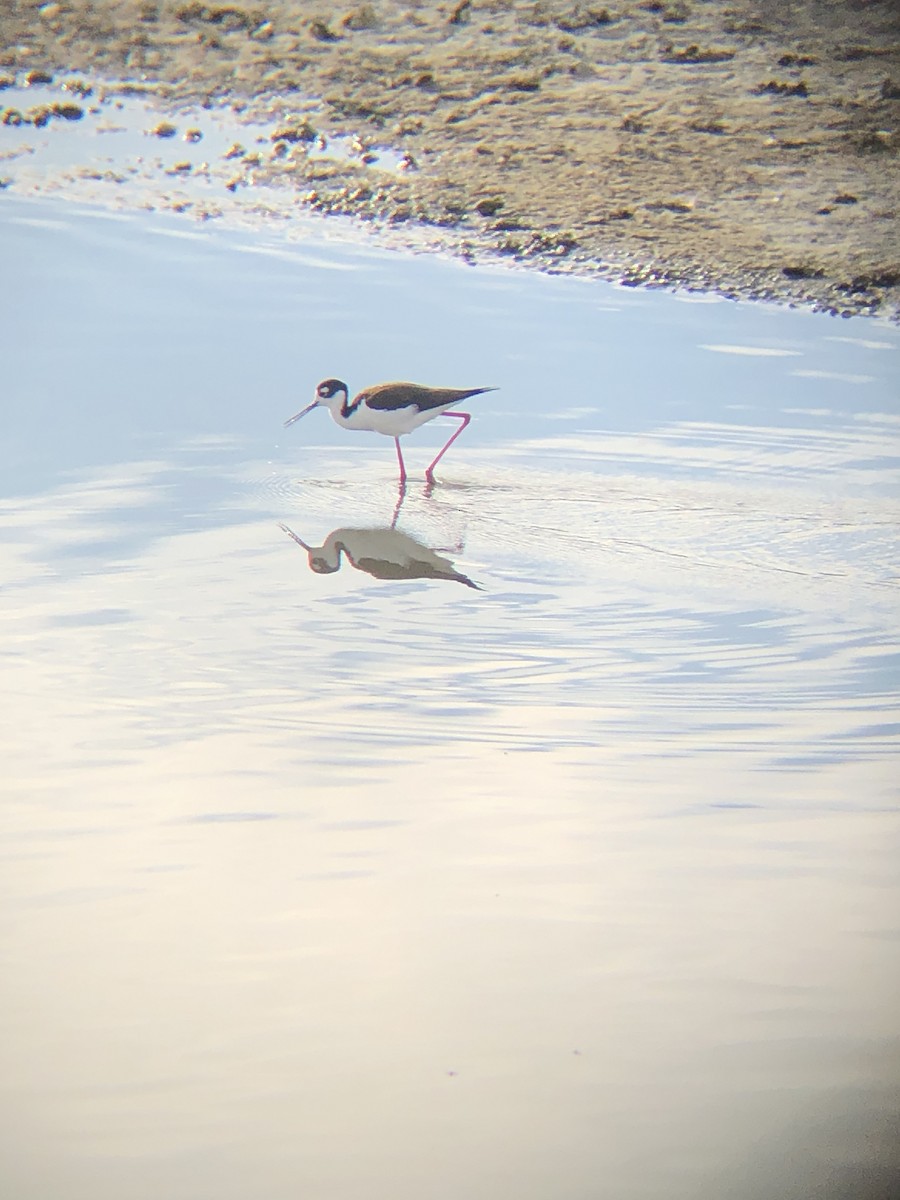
[[615, 827]]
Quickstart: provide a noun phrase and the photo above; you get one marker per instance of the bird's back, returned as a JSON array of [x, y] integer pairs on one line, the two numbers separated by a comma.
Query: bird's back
[[388, 396]]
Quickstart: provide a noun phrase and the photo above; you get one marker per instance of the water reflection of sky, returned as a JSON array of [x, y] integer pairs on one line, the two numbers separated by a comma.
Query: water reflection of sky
[[121, 137], [585, 875]]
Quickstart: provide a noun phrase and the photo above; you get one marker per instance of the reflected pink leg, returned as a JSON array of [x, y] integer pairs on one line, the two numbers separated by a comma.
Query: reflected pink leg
[[465, 418], [401, 494], [400, 461]]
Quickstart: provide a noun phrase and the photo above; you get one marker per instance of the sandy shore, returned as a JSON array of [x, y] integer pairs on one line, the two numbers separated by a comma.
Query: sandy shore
[[750, 148]]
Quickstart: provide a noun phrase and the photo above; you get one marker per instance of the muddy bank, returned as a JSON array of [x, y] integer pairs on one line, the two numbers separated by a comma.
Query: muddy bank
[[747, 147]]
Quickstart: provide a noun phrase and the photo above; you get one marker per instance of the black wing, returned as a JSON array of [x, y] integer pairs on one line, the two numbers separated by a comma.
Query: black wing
[[388, 396]]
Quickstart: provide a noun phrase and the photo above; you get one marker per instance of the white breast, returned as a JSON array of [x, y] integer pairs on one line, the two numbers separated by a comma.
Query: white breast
[[391, 422]]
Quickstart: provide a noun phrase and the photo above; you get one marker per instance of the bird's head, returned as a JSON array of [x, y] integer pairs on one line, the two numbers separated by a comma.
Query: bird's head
[[324, 560], [322, 565], [331, 394]]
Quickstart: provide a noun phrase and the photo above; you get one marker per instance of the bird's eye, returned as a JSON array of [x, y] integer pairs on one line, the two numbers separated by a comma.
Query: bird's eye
[[323, 390]]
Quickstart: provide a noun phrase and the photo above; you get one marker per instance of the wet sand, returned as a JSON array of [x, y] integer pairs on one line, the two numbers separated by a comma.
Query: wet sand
[[748, 148]]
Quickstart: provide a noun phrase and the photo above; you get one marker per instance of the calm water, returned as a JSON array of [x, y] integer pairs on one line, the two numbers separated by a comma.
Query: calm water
[[579, 883]]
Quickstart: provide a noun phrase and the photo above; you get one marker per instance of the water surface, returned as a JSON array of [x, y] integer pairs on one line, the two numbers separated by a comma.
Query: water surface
[[577, 882]]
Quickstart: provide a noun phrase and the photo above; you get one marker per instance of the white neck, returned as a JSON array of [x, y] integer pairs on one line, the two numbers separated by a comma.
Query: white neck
[[334, 404]]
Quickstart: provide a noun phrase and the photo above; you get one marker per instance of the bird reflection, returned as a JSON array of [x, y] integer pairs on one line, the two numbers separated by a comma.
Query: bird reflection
[[384, 553]]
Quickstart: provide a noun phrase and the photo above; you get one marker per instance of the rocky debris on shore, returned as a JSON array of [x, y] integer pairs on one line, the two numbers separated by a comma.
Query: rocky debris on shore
[[701, 144]]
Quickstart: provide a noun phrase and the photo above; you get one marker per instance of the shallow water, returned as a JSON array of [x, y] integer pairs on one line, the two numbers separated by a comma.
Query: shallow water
[[577, 882], [112, 144]]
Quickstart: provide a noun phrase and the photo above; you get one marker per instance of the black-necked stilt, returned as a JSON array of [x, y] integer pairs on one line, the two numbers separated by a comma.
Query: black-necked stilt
[[392, 409], [382, 553]]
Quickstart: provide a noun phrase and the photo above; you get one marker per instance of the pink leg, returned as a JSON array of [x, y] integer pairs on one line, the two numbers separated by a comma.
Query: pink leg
[[400, 461], [465, 418]]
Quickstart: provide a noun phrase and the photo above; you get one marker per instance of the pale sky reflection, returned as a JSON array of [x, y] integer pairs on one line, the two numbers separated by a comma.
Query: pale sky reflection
[[587, 875]]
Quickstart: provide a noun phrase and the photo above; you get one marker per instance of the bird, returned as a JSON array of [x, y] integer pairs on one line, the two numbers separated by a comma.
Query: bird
[[381, 553], [393, 409]]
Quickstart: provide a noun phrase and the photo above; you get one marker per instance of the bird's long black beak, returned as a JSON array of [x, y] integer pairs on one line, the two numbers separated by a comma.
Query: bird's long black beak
[[291, 534], [302, 413]]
